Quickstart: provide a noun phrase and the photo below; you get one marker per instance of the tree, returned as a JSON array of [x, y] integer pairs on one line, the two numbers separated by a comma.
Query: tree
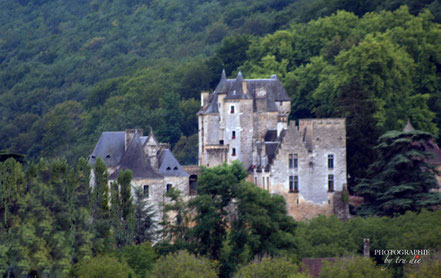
[[401, 179], [182, 264], [145, 225], [102, 267], [270, 267], [215, 193], [353, 267], [100, 208], [141, 258]]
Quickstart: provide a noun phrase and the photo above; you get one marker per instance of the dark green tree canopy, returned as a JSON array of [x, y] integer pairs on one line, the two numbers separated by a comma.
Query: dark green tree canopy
[[401, 179]]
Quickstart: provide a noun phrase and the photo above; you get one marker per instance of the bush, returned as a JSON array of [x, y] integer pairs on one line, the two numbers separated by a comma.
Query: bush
[[102, 267], [184, 265], [270, 267], [353, 267]]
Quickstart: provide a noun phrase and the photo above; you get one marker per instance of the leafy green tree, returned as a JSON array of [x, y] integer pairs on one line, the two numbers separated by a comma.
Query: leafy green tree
[[215, 193], [141, 258], [183, 264], [102, 267], [270, 267], [429, 267], [186, 150], [175, 218], [401, 179], [353, 267]]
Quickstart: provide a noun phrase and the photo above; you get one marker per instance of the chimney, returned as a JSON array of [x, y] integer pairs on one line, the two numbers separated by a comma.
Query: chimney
[[204, 98], [129, 133], [366, 247]]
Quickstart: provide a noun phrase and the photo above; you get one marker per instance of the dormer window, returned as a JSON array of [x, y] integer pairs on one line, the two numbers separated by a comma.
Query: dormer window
[[108, 156], [232, 109], [93, 156], [176, 168], [168, 169]]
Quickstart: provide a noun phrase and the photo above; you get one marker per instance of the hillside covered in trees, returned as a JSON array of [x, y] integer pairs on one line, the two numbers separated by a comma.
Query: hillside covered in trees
[[69, 70]]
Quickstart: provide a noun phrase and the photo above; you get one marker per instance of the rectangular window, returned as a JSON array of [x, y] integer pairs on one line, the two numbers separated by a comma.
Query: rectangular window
[[267, 182], [331, 183], [233, 135], [146, 191], [330, 161], [232, 109], [263, 182], [293, 183], [293, 161], [233, 153], [169, 187], [296, 183]]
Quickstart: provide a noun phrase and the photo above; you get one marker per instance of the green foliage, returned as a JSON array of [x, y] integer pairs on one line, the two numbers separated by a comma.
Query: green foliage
[[430, 267], [145, 225], [140, 258], [401, 179], [186, 150], [353, 267], [182, 264], [270, 267], [102, 267]]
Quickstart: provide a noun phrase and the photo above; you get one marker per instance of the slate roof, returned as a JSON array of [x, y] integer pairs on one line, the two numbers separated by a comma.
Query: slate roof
[[110, 148], [135, 159], [169, 166], [234, 90]]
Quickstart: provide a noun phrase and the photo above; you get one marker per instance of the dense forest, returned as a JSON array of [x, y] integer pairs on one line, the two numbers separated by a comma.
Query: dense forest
[[70, 70]]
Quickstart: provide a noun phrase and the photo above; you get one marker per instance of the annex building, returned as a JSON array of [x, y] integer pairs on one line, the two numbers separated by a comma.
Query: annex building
[[305, 162]]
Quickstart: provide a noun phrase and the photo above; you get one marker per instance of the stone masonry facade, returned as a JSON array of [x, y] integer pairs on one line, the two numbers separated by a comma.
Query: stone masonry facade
[[247, 120]]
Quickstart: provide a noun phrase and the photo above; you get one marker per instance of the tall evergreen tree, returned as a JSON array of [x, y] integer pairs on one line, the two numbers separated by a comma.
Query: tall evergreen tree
[[401, 179], [145, 225], [101, 210]]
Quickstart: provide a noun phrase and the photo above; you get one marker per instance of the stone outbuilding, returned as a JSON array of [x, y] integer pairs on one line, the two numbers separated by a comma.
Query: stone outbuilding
[[155, 169]]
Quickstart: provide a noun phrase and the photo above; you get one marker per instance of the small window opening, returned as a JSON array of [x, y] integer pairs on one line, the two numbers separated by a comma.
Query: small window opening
[[232, 109], [146, 190], [233, 135], [169, 187], [176, 168], [168, 169], [331, 183]]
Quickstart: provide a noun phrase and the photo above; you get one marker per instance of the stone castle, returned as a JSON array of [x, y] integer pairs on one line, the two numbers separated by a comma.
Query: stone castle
[[247, 120]]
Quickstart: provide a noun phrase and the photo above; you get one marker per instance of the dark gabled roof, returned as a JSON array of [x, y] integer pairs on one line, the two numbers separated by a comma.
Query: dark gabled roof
[[236, 91], [224, 85], [272, 86], [110, 148], [169, 166], [136, 160]]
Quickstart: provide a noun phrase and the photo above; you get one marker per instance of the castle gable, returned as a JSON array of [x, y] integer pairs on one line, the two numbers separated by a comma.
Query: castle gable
[[135, 159], [169, 166], [110, 148]]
